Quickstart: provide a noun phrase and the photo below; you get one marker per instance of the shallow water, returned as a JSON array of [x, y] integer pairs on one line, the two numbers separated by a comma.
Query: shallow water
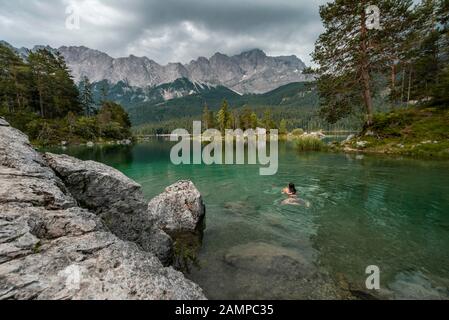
[[364, 210]]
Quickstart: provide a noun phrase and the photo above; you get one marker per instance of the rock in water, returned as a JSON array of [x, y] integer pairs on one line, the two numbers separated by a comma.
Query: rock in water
[[179, 209], [52, 249], [256, 266], [180, 212], [118, 200]]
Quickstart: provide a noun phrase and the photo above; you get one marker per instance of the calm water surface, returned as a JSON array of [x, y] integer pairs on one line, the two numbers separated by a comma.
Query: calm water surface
[[362, 210]]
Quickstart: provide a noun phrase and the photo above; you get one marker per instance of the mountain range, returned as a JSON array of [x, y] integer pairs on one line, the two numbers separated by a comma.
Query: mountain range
[[248, 72]]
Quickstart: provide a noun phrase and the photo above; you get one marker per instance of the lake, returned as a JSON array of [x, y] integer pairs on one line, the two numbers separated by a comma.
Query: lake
[[356, 211]]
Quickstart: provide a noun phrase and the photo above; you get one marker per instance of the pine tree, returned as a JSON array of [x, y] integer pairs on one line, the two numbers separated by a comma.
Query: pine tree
[[206, 117], [397, 25], [65, 94], [350, 54], [41, 73], [86, 96], [283, 127], [224, 120], [245, 118], [104, 91], [55, 91], [441, 89], [254, 120], [268, 121], [14, 79], [211, 121]]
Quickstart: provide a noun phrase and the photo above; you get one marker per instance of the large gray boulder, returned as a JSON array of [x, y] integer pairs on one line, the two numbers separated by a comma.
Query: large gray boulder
[[69, 254], [179, 209], [50, 248], [115, 198]]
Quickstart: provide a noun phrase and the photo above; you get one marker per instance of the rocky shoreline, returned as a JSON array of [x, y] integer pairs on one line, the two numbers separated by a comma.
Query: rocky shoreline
[[72, 229]]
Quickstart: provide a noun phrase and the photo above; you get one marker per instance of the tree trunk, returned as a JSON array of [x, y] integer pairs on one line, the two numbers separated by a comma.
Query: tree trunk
[[403, 84], [16, 84], [41, 102], [409, 85], [393, 83], [366, 81]]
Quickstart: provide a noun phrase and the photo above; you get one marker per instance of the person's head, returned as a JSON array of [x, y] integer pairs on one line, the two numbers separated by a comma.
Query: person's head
[[291, 188]]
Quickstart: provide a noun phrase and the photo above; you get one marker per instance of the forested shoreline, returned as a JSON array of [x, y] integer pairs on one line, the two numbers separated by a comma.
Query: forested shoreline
[[39, 97]]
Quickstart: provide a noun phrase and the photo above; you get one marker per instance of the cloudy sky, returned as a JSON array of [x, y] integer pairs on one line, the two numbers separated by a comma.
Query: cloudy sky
[[166, 30]]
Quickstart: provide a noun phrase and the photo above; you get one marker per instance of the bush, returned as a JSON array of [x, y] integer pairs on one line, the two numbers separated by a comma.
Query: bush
[[113, 130], [86, 128], [297, 132], [310, 144], [44, 132], [19, 119]]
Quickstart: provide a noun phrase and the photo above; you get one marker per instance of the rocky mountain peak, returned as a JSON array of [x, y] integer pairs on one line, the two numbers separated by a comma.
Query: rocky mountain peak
[[252, 71]]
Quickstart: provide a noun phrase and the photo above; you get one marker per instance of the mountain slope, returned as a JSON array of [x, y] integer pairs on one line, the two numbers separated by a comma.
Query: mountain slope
[[129, 96], [294, 95], [248, 72]]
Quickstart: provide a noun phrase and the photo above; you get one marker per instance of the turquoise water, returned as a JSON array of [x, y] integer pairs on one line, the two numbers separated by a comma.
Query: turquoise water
[[362, 210]]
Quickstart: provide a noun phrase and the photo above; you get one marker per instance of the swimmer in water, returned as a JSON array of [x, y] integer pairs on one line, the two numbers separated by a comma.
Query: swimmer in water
[[292, 197], [290, 190]]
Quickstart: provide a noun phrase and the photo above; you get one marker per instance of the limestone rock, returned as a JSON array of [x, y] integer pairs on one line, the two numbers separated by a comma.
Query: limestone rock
[[52, 249], [3, 122], [117, 199], [180, 208], [68, 254]]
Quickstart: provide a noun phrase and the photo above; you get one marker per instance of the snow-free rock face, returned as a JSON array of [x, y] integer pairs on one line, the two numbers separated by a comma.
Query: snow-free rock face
[[51, 248], [179, 209], [249, 72], [117, 199], [114, 197]]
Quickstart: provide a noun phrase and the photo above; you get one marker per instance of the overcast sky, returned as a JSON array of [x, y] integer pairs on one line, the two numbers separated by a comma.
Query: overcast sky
[[167, 30]]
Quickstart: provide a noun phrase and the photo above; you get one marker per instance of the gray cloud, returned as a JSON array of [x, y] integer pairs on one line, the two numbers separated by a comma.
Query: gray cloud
[[167, 30]]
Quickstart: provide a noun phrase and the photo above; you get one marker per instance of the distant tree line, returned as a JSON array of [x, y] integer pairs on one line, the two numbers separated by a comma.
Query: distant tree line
[[38, 96], [281, 118]]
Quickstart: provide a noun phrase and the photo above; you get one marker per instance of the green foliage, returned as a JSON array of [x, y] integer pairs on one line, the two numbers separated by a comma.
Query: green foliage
[[254, 121], [39, 97], [419, 132], [14, 80], [224, 117], [86, 128], [297, 132], [283, 127], [267, 121], [408, 56], [310, 144], [86, 96], [54, 92], [208, 118]]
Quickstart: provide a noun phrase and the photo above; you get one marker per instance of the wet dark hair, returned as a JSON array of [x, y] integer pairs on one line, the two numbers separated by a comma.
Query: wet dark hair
[[291, 188]]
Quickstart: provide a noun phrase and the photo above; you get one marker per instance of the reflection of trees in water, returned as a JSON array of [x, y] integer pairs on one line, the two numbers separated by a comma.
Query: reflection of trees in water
[[112, 155]]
